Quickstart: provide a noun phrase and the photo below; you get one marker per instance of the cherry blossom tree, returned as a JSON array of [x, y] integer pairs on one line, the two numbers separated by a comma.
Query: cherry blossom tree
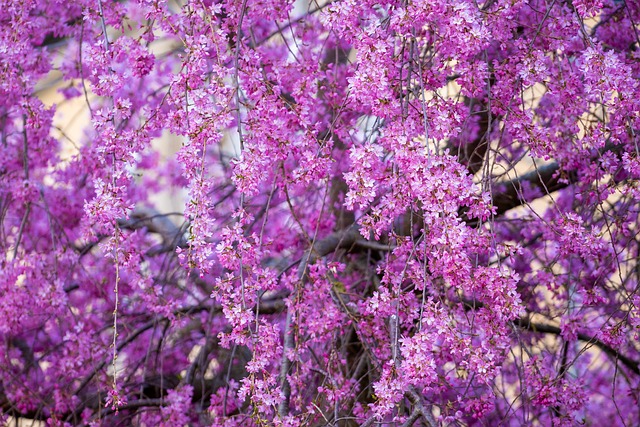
[[394, 213]]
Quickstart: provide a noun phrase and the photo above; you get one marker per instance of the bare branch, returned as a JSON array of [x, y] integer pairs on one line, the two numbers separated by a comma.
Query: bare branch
[[527, 324]]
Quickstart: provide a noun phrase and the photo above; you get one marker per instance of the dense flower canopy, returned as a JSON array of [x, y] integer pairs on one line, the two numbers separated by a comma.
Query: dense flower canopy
[[415, 212]]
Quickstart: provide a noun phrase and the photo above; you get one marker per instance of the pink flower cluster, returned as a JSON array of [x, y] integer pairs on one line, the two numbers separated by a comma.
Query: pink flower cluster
[[383, 213]]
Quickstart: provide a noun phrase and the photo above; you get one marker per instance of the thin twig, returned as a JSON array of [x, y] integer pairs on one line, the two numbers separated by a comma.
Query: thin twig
[[344, 239]]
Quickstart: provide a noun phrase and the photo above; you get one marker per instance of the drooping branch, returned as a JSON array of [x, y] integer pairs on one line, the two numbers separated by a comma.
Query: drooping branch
[[319, 249]]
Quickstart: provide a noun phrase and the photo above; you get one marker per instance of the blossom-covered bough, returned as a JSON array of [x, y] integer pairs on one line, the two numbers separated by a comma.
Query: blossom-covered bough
[[395, 213]]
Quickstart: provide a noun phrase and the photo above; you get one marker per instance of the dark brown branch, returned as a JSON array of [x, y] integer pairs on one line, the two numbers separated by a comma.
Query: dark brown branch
[[419, 408], [135, 404], [472, 153], [155, 222], [547, 179], [526, 324], [51, 38], [172, 236]]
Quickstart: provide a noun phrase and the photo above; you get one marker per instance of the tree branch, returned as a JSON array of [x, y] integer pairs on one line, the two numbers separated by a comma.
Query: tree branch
[[526, 324], [548, 179], [545, 178], [319, 249]]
